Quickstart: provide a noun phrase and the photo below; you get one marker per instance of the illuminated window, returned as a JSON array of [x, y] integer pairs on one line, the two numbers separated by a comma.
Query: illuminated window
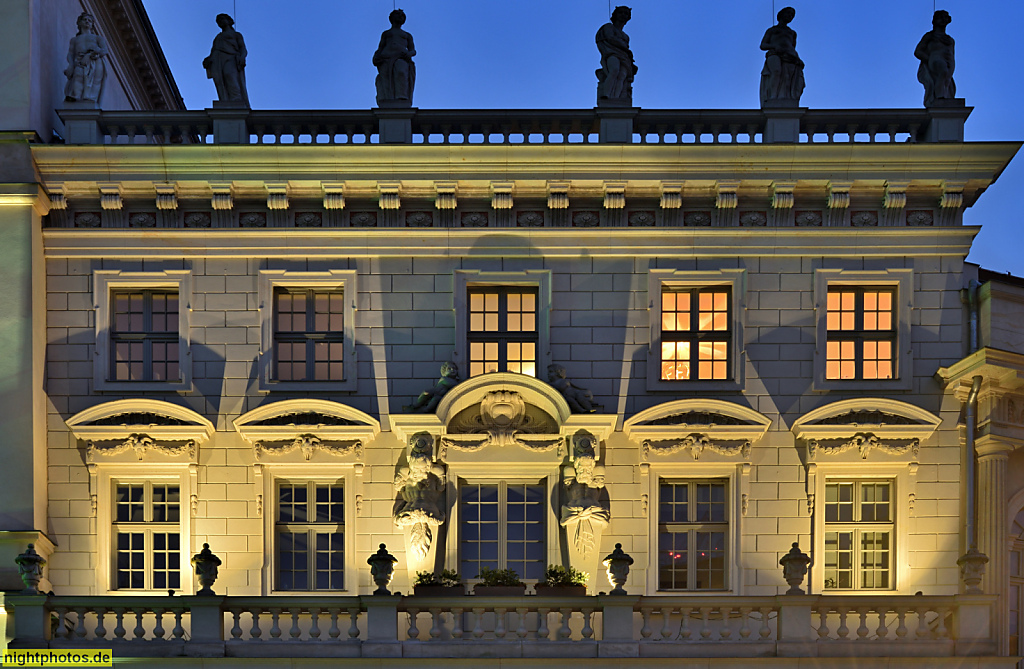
[[310, 536], [858, 535], [502, 526], [147, 536], [309, 335], [861, 324], [692, 530], [144, 335], [502, 332], [695, 334]]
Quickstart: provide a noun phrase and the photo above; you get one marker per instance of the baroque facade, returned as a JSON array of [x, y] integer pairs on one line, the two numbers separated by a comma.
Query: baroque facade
[[705, 342]]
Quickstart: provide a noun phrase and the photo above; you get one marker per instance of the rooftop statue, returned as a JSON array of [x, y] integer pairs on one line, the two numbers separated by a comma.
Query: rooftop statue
[[580, 400], [935, 51], [396, 73], [226, 63], [615, 78], [86, 71], [429, 399], [782, 78]]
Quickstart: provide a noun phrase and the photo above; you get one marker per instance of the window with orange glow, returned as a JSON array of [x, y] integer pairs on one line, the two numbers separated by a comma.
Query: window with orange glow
[[695, 334], [861, 323], [693, 523], [502, 330]]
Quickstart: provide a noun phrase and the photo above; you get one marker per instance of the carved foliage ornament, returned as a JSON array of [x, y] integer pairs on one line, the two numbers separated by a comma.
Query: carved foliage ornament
[[141, 443], [308, 444], [502, 421], [696, 444], [864, 442]]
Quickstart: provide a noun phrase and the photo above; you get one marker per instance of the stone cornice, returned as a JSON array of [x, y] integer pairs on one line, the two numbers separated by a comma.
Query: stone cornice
[[998, 368], [550, 242]]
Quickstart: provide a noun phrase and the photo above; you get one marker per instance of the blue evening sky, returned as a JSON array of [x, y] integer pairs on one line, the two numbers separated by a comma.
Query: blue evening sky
[[315, 54]]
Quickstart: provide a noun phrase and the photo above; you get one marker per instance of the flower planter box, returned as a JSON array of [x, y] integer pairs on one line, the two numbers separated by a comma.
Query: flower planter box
[[438, 590], [499, 590], [560, 590]]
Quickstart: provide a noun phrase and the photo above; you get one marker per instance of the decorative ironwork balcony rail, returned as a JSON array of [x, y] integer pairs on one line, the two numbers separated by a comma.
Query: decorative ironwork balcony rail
[[525, 626], [515, 126]]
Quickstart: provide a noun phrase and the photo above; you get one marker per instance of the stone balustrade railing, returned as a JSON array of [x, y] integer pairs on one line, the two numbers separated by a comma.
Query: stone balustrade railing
[[516, 126], [527, 626]]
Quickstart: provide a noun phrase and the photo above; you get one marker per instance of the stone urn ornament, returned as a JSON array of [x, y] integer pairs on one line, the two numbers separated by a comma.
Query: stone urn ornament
[[617, 563], [206, 563], [794, 568], [972, 570], [30, 569], [382, 569]]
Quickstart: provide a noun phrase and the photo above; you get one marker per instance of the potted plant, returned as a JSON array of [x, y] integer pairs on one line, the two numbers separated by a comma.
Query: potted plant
[[562, 582], [446, 583], [499, 583]]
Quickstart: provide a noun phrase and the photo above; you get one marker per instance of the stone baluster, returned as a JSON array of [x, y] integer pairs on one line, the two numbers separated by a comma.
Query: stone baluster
[[179, 631], [294, 632], [236, 627], [666, 620], [437, 626], [119, 630], [100, 631], [499, 622], [255, 631], [353, 629], [823, 622], [314, 623], [334, 632], [457, 623], [478, 627], [521, 630], [139, 631], [80, 622], [158, 628], [413, 631], [645, 630], [765, 630], [883, 630], [542, 624], [745, 626], [275, 624], [587, 631], [862, 630], [725, 631], [564, 632]]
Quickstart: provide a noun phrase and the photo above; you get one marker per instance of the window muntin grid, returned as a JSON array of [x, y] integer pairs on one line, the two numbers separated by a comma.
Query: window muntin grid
[[310, 536], [858, 535], [696, 333], [502, 330], [144, 335], [503, 526], [309, 335], [861, 327], [147, 536], [692, 531]]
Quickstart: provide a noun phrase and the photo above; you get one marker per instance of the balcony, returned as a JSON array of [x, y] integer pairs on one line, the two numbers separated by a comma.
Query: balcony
[[604, 626]]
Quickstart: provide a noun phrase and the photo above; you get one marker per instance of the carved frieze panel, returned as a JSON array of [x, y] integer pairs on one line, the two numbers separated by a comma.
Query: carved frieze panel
[[307, 430], [865, 428], [700, 428], [140, 430]]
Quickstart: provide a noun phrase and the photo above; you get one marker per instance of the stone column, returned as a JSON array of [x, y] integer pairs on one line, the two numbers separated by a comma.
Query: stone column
[[993, 455]]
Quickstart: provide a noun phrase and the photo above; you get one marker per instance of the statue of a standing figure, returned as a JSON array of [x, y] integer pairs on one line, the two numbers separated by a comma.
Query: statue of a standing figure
[[935, 51], [396, 73], [583, 515], [782, 78], [420, 486], [615, 78], [86, 71], [226, 63]]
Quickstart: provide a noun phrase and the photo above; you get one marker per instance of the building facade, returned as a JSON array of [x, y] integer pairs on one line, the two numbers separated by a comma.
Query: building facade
[[706, 343]]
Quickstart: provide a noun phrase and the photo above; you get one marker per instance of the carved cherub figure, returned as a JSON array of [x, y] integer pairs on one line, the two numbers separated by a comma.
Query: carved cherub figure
[[429, 399], [580, 400]]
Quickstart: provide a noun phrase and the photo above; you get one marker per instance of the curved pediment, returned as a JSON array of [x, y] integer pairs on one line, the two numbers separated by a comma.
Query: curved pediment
[[142, 427], [697, 426], [307, 426], [864, 425], [533, 391]]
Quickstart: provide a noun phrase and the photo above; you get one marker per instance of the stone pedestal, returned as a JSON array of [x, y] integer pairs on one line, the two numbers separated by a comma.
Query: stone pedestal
[[81, 122], [415, 560], [616, 123], [796, 636], [229, 123], [947, 120], [395, 124], [782, 124]]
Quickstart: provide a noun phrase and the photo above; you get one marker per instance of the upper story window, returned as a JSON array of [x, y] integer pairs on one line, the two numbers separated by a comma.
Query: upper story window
[[502, 525], [693, 526], [309, 334], [861, 322], [859, 519], [147, 535], [502, 334], [696, 333], [310, 536], [144, 335]]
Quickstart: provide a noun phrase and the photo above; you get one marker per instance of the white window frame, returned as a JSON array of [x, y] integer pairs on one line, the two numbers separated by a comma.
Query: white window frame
[[735, 280], [335, 279], [468, 278], [304, 473], [106, 282], [674, 472], [899, 548], [108, 476], [524, 473], [903, 281]]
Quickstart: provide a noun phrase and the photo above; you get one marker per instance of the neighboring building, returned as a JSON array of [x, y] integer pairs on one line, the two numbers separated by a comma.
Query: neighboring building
[[739, 333]]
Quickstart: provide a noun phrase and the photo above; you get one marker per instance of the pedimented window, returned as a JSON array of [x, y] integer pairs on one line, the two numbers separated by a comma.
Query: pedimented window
[[704, 429], [140, 430], [307, 430], [865, 428]]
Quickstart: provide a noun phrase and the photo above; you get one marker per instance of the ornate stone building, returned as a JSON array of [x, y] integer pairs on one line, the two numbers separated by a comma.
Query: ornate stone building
[[699, 339]]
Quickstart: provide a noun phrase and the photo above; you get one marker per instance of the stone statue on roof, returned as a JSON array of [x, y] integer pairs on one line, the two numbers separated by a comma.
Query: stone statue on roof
[[226, 64], [396, 73], [615, 77], [86, 71], [935, 51], [782, 78]]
